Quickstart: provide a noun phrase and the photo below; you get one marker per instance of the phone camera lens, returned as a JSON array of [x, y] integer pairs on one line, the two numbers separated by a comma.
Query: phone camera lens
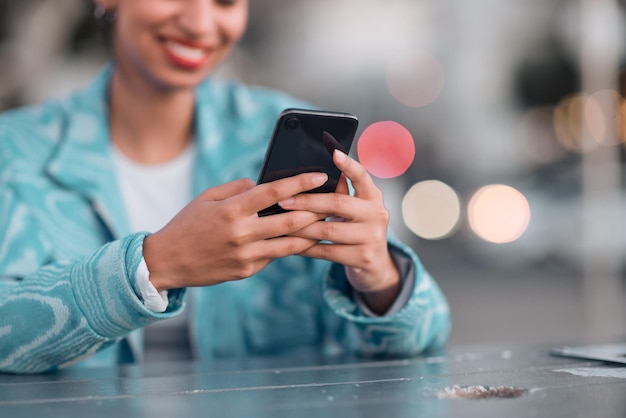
[[292, 123]]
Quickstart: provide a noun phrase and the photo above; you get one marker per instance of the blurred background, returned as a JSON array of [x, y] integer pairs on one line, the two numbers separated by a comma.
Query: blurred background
[[516, 112]]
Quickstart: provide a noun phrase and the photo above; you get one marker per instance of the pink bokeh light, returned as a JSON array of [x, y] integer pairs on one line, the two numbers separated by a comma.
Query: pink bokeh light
[[386, 149]]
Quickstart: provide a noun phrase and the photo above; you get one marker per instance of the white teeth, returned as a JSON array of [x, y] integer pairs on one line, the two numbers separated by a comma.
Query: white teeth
[[186, 52]]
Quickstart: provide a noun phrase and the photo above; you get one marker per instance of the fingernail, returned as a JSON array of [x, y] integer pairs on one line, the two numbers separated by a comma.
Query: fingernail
[[340, 156], [286, 202], [320, 179]]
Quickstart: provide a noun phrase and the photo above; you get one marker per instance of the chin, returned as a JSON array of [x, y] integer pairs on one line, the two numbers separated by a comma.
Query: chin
[[177, 80]]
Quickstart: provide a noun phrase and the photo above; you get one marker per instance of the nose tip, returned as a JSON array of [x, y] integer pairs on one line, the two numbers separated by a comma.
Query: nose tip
[[197, 17]]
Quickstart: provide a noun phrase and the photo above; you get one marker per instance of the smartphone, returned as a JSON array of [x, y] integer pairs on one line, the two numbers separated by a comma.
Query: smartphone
[[303, 141]]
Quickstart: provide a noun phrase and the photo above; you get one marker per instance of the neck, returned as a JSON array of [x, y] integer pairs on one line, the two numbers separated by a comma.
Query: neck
[[149, 125]]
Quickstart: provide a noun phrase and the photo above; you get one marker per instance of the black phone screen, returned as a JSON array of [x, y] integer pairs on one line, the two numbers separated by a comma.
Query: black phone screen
[[304, 141]]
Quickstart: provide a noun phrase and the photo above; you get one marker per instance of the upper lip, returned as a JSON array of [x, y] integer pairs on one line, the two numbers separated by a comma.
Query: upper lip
[[188, 42]]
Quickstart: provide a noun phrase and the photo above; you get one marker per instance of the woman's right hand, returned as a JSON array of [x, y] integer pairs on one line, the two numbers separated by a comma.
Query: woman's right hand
[[219, 237]]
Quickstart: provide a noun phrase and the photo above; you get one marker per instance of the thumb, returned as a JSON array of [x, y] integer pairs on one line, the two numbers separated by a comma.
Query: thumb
[[226, 190]]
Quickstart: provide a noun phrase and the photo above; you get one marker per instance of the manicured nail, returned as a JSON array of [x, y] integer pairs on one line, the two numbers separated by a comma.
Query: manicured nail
[[286, 202], [340, 156], [320, 179]]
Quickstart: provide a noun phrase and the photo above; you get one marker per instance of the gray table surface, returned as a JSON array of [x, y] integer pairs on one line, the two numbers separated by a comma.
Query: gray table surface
[[309, 386]]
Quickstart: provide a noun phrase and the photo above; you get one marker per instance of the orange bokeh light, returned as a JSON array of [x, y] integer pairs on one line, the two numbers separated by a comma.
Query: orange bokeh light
[[498, 213]]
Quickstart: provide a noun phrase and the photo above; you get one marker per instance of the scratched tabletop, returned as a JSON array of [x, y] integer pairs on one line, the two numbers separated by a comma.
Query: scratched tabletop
[[465, 381]]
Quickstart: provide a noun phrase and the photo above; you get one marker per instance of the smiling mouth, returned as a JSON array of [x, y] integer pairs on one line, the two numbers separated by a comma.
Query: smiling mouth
[[185, 55]]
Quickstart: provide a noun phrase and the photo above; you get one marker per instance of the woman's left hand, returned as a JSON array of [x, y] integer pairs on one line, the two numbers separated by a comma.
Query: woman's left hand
[[356, 233]]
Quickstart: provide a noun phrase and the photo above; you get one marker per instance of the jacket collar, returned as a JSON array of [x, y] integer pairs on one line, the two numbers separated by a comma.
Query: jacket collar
[[83, 160]]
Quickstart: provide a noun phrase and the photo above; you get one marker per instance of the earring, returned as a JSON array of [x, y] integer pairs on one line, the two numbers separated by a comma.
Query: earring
[[104, 15], [99, 11]]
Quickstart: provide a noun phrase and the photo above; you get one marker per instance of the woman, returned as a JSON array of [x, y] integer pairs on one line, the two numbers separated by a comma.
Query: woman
[[101, 236]]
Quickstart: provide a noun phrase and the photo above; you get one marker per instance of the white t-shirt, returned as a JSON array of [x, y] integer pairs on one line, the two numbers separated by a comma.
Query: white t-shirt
[[152, 195]]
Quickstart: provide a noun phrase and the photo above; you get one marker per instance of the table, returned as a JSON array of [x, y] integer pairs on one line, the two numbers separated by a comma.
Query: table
[[311, 386]]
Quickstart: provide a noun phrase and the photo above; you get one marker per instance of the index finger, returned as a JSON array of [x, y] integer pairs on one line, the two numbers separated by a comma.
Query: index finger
[[267, 194], [362, 182]]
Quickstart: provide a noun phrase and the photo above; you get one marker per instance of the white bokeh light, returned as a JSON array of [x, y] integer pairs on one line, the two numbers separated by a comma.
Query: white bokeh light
[[431, 209], [415, 78]]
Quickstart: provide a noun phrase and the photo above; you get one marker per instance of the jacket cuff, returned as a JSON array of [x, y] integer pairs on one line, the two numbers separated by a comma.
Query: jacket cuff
[[422, 323], [406, 269], [105, 289]]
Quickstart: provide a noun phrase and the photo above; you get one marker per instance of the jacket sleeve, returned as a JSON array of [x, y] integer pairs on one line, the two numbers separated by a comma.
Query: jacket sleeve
[[422, 324], [64, 311]]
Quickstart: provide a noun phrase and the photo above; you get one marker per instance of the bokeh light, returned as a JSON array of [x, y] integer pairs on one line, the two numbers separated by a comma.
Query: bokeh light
[[431, 209], [415, 78], [603, 117], [498, 213], [568, 125], [386, 149]]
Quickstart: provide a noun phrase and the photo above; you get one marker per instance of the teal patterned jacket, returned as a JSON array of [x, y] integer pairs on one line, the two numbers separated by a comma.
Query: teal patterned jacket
[[68, 259]]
